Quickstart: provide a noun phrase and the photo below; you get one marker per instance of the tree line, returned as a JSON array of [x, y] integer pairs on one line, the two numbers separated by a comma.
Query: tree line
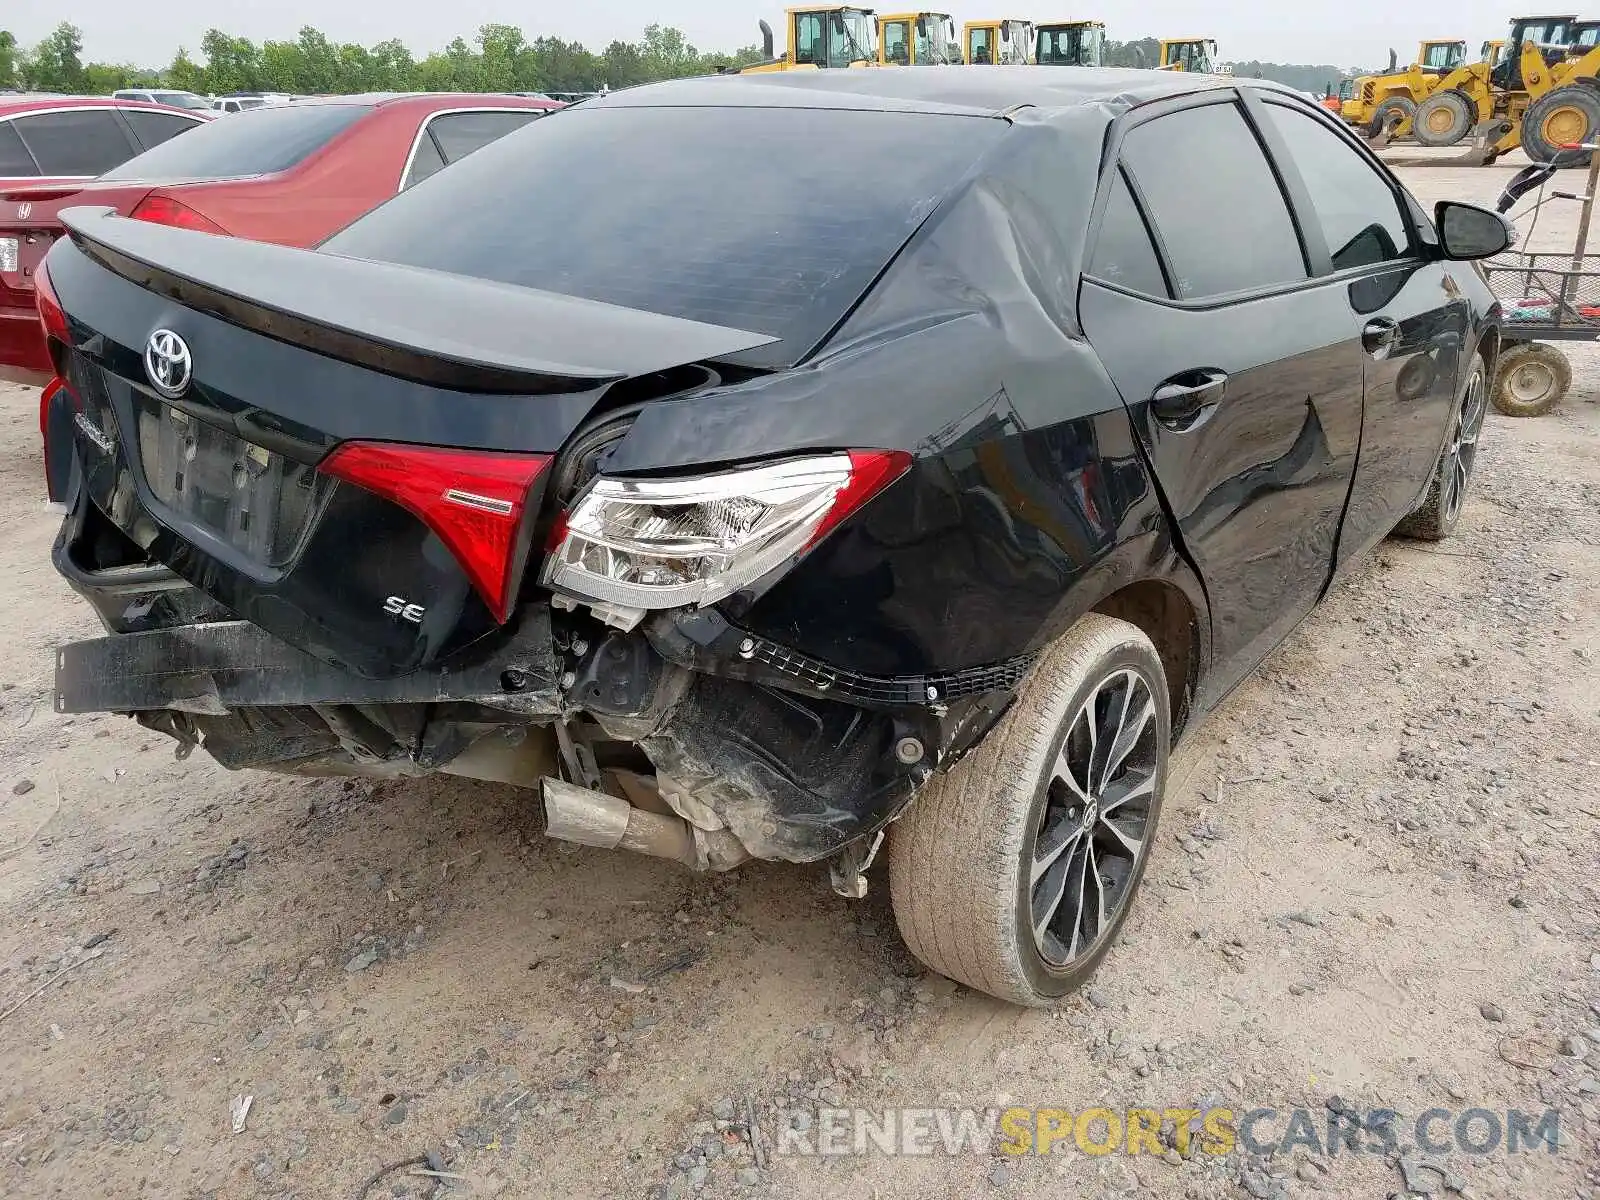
[[498, 59]]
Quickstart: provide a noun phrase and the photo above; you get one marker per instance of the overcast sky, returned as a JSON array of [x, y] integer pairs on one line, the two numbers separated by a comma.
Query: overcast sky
[[1353, 32]]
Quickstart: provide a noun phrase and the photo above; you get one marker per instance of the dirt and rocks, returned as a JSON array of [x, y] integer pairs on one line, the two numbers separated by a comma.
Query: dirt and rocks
[[1377, 888]]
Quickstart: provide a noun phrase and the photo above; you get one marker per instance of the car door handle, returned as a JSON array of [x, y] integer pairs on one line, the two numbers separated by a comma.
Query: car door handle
[[1380, 337], [1179, 402]]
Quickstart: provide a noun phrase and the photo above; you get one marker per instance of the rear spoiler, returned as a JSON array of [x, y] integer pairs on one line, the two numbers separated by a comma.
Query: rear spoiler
[[429, 326]]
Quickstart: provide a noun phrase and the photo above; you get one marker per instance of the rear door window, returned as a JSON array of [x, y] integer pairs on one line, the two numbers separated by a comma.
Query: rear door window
[[15, 161], [79, 141], [260, 142], [459, 134], [153, 128], [1214, 199]]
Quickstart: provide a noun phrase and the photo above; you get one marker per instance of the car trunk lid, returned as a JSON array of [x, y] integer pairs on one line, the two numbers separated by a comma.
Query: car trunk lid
[[457, 390]]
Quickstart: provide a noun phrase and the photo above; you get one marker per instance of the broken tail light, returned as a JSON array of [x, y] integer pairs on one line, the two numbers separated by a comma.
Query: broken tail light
[[664, 543], [164, 210], [472, 500]]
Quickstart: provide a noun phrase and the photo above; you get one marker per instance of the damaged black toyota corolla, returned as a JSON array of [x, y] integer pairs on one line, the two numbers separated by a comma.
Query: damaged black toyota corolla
[[749, 463]]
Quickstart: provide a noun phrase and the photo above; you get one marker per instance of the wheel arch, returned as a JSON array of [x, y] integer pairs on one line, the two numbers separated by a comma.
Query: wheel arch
[[1169, 618], [1488, 346], [1151, 585]]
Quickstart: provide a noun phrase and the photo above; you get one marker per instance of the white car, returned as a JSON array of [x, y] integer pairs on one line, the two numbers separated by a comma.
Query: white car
[[172, 99], [233, 104]]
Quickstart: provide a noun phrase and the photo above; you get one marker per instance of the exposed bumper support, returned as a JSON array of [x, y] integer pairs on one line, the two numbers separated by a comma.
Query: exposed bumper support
[[213, 668]]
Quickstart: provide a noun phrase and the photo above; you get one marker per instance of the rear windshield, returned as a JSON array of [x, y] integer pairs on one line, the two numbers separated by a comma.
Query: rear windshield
[[256, 143], [768, 219]]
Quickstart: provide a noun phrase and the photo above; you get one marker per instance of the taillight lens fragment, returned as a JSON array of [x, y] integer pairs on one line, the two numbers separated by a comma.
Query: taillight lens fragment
[[474, 501], [164, 210], [664, 543]]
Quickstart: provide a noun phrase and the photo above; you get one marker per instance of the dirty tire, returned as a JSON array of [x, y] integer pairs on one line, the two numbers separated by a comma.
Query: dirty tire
[[1531, 380], [961, 859], [1452, 474], [1389, 113], [1567, 114], [1443, 119]]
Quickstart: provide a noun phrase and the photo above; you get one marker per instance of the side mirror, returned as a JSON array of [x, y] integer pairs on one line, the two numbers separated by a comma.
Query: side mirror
[[922, 27], [1468, 232], [1005, 33]]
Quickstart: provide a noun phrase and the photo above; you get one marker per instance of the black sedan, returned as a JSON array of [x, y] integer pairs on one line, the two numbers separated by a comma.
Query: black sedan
[[761, 465]]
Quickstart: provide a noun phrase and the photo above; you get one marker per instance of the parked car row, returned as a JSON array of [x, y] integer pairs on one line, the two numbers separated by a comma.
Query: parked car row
[[926, 487], [231, 103], [291, 174]]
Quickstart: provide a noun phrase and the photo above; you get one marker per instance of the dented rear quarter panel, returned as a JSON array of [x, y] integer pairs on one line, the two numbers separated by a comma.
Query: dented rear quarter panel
[[1029, 500]]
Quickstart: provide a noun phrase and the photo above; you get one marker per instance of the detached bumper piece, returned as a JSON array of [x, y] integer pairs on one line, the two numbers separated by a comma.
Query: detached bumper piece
[[215, 668]]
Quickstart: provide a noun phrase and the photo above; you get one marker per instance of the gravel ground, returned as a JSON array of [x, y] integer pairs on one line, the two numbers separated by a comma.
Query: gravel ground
[[1377, 887]]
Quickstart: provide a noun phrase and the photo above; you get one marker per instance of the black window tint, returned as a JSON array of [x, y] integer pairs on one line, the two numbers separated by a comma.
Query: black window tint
[[259, 142], [459, 134], [82, 141], [1124, 254], [1215, 201], [153, 128], [1358, 210], [15, 161], [424, 162], [612, 204]]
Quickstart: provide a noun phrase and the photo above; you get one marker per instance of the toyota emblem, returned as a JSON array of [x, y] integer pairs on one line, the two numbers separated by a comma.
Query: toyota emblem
[[24, 211], [167, 363]]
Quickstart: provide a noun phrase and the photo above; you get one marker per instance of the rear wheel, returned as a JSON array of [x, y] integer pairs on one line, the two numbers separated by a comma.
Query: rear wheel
[[1437, 517], [1531, 380], [1566, 116], [1443, 119], [1014, 872], [1390, 113]]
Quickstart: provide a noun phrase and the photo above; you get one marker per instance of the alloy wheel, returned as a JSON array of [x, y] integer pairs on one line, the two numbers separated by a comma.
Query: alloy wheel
[[1093, 829], [1462, 451]]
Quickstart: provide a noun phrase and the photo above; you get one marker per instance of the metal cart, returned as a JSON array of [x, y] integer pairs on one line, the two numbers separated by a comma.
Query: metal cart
[[1546, 297]]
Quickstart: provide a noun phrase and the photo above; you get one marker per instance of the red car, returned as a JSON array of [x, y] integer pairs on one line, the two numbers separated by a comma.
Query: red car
[[291, 174], [60, 141], [63, 139]]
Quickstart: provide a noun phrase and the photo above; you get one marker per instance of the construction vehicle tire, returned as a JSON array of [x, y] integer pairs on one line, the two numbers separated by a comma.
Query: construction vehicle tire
[[1390, 112], [1567, 115], [1443, 119]]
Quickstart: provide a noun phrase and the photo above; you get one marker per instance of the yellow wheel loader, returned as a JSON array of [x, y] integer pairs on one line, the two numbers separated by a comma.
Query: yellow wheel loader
[[818, 38], [1070, 44], [1007, 42], [1542, 94], [1189, 54], [1379, 102], [924, 39]]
